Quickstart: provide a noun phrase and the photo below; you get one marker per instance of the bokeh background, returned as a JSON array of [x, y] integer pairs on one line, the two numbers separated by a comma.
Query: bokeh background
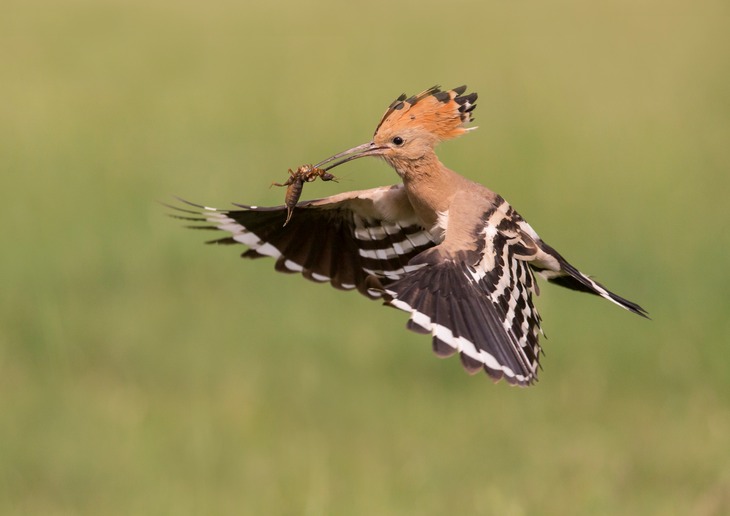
[[142, 372]]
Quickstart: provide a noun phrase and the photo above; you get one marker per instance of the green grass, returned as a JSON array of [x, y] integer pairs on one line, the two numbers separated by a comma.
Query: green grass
[[144, 373]]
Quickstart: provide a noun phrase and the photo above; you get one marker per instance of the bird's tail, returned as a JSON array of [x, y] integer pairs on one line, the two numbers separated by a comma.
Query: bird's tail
[[572, 278]]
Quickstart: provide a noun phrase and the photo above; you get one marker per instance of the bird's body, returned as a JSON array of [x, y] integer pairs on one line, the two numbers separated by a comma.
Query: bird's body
[[447, 250]]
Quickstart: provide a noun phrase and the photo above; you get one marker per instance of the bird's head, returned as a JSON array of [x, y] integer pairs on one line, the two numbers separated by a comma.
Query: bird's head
[[413, 126]]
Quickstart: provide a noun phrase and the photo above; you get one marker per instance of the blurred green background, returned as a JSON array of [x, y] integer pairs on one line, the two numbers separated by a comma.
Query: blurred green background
[[142, 372]]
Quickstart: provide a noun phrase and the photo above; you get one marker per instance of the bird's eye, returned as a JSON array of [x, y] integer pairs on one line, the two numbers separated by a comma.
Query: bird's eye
[[397, 141]]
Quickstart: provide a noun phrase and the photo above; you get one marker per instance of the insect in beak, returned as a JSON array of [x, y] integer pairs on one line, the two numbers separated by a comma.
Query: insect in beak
[[295, 185]]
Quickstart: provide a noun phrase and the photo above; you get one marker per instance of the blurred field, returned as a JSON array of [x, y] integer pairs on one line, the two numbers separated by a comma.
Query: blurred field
[[142, 372]]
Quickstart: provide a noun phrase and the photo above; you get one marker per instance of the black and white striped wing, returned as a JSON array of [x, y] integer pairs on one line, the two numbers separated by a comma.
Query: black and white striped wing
[[479, 303], [489, 319], [342, 239]]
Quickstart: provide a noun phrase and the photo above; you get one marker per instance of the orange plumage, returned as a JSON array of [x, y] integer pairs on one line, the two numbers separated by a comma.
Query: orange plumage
[[442, 113]]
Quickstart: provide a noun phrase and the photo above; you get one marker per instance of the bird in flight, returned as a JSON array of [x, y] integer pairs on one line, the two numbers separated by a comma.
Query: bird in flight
[[448, 251]]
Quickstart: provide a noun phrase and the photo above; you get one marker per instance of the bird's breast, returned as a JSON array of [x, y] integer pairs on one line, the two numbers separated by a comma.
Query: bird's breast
[[438, 229]]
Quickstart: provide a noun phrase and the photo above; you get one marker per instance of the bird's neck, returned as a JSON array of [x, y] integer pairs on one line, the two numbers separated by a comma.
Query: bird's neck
[[430, 186]]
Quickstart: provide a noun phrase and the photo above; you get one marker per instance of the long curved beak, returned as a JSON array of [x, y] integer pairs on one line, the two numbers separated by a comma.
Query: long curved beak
[[366, 149]]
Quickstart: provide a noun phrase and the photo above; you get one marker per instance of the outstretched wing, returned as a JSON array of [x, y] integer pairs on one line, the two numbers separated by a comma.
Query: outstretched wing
[[478, 302], [480, 307], [342, 239]]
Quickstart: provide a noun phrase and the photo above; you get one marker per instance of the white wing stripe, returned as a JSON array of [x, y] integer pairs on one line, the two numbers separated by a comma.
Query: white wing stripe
[[268, 250], [459, 343], [248, 239], [293, 266]]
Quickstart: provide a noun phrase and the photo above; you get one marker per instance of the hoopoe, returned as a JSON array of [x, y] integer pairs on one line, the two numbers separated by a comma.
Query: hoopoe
[[448, 251]]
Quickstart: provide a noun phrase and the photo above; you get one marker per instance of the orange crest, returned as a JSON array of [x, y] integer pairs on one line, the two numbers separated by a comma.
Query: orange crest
[[442, 113]]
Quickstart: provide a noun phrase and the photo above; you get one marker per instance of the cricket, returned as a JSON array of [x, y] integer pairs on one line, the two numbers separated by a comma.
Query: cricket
[[295, 185]]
